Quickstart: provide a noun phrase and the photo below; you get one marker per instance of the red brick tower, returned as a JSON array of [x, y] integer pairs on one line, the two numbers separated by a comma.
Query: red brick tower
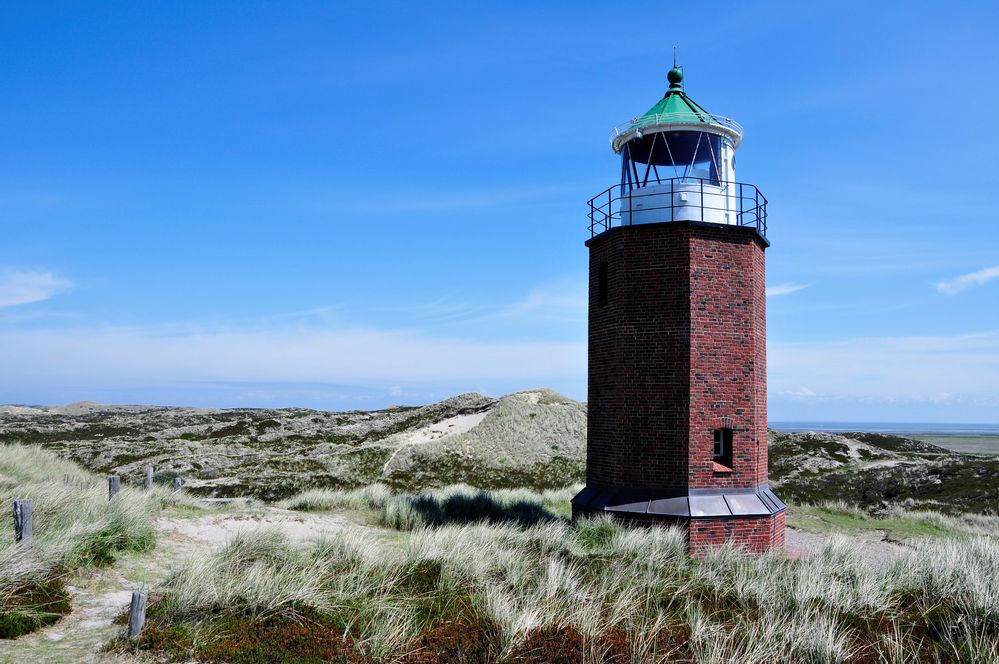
[[677, 428]]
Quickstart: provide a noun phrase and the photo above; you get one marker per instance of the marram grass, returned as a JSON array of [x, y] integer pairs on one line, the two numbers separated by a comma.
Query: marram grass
[[458, 503], [487, 588], [74, 527]]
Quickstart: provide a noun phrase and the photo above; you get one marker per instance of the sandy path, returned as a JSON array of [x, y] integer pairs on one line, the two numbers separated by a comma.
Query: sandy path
[[214, 530], [801, 544], [100, 595]]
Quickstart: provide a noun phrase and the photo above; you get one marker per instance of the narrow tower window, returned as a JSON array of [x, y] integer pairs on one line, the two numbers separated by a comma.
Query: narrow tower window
[[723, 447], [602, 284]]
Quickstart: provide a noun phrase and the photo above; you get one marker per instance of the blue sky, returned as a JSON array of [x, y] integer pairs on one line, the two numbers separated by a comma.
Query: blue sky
[[349, 205]]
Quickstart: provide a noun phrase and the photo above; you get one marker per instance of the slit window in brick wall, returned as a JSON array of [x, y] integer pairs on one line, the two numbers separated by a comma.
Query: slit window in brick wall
[[723, 447]]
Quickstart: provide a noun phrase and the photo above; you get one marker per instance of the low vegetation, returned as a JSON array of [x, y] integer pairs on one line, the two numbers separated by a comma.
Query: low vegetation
[[880, 472], [74, 526], [466, 575], [451, 505], [896, 524], [418, 570], [534, 439], [966, 444], [501, 591]]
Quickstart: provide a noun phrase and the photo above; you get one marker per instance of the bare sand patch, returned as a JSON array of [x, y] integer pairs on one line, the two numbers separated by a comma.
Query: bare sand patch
[[214, 530], [449, 426], [872, 547]]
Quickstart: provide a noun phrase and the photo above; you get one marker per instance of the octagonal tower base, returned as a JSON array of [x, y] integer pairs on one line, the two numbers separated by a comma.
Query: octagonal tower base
[[758, 532], [677, 403]]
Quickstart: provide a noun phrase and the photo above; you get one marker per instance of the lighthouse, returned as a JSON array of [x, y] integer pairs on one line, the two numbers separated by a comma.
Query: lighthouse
[[677, 382]]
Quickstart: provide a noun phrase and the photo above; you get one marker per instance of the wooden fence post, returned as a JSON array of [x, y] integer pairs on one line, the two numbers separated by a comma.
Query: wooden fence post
[[149, 478], [137, 613], [22, 521], [114, 486]]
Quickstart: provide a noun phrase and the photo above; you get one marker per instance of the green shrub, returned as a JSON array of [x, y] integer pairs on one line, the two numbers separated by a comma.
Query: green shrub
[[32, 606]]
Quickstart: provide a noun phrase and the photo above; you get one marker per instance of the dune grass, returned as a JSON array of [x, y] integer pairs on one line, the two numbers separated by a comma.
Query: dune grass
[[470, 582], [464, 504], [74, 526], [898, 523], [458, 503], [372, 496]]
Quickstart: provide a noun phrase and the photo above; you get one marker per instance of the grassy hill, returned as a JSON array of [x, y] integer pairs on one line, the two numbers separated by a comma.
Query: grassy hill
[[877, 471], [534, 439]]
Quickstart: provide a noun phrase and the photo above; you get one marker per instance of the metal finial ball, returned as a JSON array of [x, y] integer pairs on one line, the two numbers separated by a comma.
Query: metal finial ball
[[674, 76]]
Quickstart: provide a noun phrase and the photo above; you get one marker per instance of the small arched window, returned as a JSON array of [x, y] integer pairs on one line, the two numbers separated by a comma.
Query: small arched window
[[723, 447]]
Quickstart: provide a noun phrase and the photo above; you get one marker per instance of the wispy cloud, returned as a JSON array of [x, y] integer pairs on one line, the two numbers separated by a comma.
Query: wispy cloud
[[119, 356], [799, 393], [564, 299], [785, 289], [18, 287], [888, 369], [941, 370], [966, 281]]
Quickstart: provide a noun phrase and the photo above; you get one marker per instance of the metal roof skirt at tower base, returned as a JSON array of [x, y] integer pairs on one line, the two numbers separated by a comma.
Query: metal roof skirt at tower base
[[712, 503], [676, 111]]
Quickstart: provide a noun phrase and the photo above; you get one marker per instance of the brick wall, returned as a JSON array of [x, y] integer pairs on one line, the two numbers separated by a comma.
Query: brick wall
[[754, 534], [677, 350], [639, 359], [728, 356]]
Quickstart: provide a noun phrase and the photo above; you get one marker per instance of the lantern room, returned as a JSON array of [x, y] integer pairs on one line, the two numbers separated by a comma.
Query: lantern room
[[678, 164]]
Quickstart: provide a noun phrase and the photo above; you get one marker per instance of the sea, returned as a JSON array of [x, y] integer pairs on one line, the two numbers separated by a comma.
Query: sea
[[900, 428]]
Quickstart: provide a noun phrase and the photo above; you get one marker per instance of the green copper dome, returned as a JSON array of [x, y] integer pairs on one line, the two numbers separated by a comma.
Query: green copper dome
[[676, 112]]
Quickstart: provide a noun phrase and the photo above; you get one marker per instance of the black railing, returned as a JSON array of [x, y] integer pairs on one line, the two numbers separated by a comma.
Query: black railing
[[679, 199]]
